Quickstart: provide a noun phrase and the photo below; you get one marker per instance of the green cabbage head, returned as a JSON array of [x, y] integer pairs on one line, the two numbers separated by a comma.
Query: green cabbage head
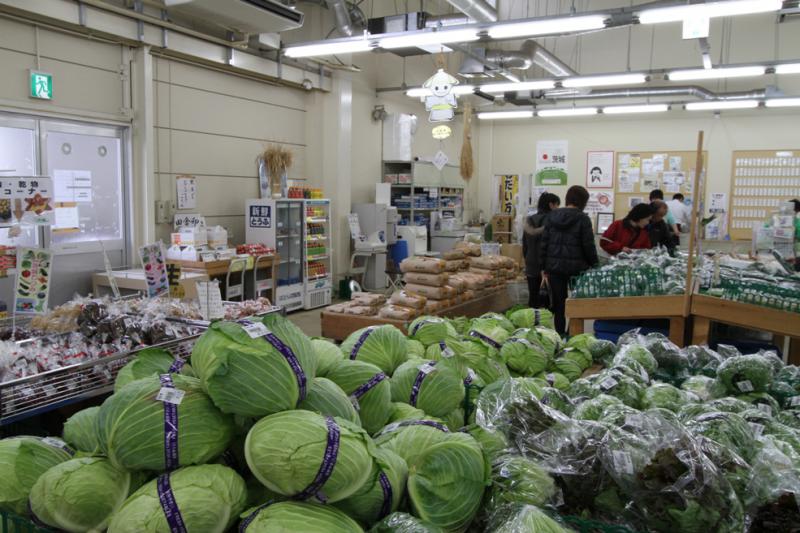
[[430, 330], [327, 398], [148, 362], [665, 396], [415, 348], [80, 494], [382, 346], [435, 387], [208, 497], [295, 517], [328, 356], [523, 356], [80, 430], [369, 387], [22, 461], [745, 373]]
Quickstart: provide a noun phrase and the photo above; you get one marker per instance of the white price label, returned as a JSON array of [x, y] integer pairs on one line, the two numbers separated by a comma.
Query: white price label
[[623, 462], [634, 421], [255, 329], [608, 384], [645, 376], [745, 386], [765, 408], [471, 374], [758, 429], [448, 352], [794, 401], [427, 368], [56, 443], [170, 395]]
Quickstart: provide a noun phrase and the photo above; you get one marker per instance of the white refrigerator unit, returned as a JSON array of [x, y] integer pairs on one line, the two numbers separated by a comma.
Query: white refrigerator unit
[[376, 224], [318, 248], [279, 224]]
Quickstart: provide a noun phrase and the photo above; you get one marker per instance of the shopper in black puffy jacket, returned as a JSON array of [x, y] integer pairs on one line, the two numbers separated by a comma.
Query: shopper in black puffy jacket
[[568, 249], [531, 247]]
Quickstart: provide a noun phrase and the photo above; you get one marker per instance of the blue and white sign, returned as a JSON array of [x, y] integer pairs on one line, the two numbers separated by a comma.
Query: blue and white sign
[[260, 216]]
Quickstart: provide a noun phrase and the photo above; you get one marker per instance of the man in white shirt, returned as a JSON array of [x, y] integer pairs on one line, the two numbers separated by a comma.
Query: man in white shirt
[[681, 212]]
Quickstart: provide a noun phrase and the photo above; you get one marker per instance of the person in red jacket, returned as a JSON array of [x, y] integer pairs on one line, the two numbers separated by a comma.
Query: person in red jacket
[[630, 233]]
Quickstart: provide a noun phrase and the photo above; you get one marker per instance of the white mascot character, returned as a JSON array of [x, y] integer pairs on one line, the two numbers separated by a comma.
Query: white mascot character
[[442, 101]]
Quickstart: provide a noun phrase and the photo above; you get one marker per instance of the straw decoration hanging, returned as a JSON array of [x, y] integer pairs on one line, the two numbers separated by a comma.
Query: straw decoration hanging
[[467, 163]]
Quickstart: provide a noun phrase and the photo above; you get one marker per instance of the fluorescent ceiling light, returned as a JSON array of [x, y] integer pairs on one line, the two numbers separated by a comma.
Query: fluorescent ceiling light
[[329, 48], [715, 73], [494, 88], [458, 90], [624, 109], [730, 104], [429, 38], [492, 115], [567, 112], [598, 81], [548, 26], [709, 10], [783, 102], [791, 68]]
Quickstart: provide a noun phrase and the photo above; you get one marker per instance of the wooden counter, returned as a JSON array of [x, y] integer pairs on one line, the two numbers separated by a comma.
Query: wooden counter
[[217, 269]]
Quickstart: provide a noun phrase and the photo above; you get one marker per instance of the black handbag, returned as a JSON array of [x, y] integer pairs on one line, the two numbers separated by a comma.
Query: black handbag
[[544, 294]]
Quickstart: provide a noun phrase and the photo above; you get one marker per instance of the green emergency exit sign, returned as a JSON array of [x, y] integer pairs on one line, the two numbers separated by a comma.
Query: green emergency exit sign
[[41, 85]]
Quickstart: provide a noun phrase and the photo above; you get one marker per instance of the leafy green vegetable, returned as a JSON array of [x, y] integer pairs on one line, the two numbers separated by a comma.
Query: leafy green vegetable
[[22, 461], [328, 356], [603, 351], [408, 438], [369, 386], [148, 362], [523, 356], [415, 348], [298, 516], [529, 519], [403, 523], [435, 387], [382, 346], [489, 332], [568, 368], [555, 379], [327, 398], [704, 387], [727, 429], [381, 493], [430, 330], [499, 319], [745, 373], [593, 408], [638, 353], [402, 411], [80, 430], [665, 396], [80, 494], [517, 479]]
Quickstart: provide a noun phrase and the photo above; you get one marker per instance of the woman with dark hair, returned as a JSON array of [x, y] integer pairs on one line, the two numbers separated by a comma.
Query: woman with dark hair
[[533, 229], [630, 233], [567, 249]]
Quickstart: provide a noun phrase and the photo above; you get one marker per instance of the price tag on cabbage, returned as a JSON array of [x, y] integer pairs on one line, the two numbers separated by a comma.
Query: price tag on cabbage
[[608, 384], [758, 429], [794, 401], [254, 329], [170, 395], [427, 368], [764, 408], [448, 352], [745, 386], [622, 462]]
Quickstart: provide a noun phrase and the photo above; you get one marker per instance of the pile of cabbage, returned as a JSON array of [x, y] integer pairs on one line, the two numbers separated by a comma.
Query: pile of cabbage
[[486, 424]]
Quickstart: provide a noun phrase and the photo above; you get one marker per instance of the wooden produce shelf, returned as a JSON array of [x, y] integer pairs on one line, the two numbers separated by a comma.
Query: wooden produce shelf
[[338, 326], [631, 307]]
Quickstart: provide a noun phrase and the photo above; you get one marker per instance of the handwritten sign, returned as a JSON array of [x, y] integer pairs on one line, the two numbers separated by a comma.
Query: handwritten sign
[[187, 192], [188, 220]]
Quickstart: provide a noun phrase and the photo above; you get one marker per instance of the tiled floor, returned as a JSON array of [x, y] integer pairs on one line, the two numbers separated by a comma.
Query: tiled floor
[[308, 321]]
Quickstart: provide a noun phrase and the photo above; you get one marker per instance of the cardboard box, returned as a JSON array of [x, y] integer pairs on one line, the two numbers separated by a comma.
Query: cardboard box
[[514, 251], [501, 223], [504, 238]]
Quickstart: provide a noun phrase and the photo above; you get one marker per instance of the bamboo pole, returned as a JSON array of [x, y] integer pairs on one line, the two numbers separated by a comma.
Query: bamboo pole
[[694, 230]]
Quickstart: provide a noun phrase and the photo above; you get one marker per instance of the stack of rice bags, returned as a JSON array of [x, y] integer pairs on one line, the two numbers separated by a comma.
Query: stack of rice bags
[[361, 303], [427, 276], [497, 267]]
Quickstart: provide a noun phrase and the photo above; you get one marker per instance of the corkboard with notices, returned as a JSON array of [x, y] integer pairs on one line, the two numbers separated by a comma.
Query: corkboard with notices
[[761, 180], [638, 173]]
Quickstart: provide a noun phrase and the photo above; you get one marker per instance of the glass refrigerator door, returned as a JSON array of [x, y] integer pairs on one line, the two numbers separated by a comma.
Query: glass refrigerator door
[[295, 245], [282, 240]]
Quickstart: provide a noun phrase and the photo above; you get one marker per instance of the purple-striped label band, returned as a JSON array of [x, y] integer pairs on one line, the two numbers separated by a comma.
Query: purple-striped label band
[[361, 340], [294, 363], [169, 505], [386, 486], [537, 317], [405, 423], [484, 338], [326, 468], [421, 323], [367, 386], [252, 516], [34, 518], [58, 443], [170, 428], [176, 366], [412, 400]]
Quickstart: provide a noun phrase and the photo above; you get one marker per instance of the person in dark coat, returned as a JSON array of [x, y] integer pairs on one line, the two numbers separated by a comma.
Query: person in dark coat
[[531, 248], [658, 230], [567, 249], [630, 233]]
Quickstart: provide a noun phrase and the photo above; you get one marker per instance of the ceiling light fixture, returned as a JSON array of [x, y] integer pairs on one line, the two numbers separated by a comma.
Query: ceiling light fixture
[[790, 68], [713, 106], [538, 85], [418, 39], [551, 26], [644, 108], [783, 102], [567, 112], [599, 81], [328, 48], [709, 10], [715, 73], [458, 90], [492, 115]]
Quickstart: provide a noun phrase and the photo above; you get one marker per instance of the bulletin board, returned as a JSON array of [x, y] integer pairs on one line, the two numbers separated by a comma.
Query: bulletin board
[[760, 181], [677, 169]]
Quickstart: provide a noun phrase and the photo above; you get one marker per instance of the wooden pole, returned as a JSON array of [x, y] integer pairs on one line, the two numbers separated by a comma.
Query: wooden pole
[[694, 230]]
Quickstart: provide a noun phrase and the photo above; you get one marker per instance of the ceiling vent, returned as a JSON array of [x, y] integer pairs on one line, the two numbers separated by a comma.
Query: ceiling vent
[[244, 16]]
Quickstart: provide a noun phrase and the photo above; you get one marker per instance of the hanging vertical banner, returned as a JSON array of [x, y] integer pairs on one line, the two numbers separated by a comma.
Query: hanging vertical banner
[[32, 288], [508, 188], [551, 162], [155, 270]]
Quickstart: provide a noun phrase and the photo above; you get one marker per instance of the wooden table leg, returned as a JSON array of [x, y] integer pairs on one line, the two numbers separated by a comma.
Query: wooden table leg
[[677, 330], [575, 326], [701, 329], [794, 351]]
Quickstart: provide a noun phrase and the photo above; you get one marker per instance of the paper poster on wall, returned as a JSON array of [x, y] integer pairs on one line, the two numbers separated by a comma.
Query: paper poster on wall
[[32, 288], [649, 184], [187, 192], [551, 162], [67, 218], [600, 170], [440, 160], [536, 192], [624, 181], [658, 162], [72, 185], [647, 168], [718, 202], [675, 163], [633, 201], [32, 198], [600, 202], [508, 187], [604, 220], [155, 271]]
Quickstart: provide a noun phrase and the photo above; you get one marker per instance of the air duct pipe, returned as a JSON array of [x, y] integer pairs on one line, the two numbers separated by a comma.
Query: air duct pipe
[[477, 10], [344, 24], [687, 90], [530, 54]]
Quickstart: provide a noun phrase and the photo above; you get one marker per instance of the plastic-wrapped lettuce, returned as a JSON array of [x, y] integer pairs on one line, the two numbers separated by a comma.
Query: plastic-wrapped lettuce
[[762, 401], [593, 408], [80, 494], [603, 351], [257, 376], [287, 450], [382, 346], [435, 387], [80, 431], [297, 516], [495, 407], [557, 399], [414, 348], [525, 519], [727, 429], [382, 492], [518, 479], [149, 362], [205, 498], [667, 354], [430, 329], [136, 429], [631, 368], [745, 373], [638, 353], [729, 405], [22, 461], [328, 356], [523, 356], [327, 398], [771, 493], [582, 389], [555, 379], [489, 332], [665, 396], [369, 387], [404, 523], [703, 360], [617, 384], [704, 387]]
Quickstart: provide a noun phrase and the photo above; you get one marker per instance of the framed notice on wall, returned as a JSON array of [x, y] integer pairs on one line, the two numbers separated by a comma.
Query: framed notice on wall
[[599, 170]]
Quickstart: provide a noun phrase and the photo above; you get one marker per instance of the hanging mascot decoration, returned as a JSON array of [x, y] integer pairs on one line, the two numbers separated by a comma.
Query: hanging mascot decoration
[[441, 103]]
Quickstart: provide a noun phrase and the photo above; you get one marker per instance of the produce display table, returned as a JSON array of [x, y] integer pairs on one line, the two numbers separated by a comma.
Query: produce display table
[[708, 309], [219, 269], [632, 307], [134, 280], [338, 326]]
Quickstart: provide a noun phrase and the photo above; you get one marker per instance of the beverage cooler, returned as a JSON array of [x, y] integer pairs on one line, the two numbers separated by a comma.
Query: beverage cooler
[[317, 235], [280, 224]]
